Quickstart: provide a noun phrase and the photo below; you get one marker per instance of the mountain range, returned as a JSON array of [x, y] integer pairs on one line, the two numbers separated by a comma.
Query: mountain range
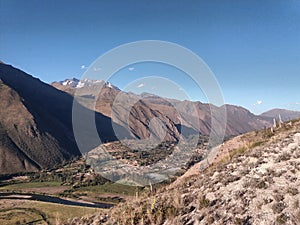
[[36, 119], [194, 117]]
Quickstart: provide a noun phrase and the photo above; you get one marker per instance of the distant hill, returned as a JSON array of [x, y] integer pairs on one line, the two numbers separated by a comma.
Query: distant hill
[[285, 114]]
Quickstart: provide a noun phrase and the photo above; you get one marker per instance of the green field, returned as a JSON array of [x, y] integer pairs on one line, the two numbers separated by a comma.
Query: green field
[[111, 188], [73, 181], [26, 185]]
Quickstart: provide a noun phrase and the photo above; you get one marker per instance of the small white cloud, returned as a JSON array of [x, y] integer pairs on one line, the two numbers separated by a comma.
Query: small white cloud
[[141, 85], [96, 69], [82, 67], [259, 102], [131, 68]]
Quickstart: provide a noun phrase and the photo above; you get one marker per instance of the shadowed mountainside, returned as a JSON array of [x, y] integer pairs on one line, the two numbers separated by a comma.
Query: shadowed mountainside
[[36, 124]]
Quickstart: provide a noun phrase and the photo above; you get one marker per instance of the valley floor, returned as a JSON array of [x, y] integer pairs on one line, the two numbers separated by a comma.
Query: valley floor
[[254, 181], [52, 197]]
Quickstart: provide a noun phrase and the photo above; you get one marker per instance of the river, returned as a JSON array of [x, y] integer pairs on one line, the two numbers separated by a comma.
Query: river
[[51, 199]]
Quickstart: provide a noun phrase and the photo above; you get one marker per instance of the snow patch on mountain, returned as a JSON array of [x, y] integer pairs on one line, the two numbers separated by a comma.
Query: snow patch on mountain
[[76, 83]]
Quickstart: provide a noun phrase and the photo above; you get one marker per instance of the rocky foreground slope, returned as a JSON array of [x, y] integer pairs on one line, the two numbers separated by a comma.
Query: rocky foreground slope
[[255, 179]]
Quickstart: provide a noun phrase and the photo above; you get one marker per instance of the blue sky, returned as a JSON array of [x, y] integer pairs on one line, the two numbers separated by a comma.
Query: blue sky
[[253, 47]]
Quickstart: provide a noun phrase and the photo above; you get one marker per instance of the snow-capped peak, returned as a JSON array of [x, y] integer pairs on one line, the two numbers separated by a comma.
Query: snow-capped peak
[[75, 83], [80, 84], [108, 84], [70, 82]]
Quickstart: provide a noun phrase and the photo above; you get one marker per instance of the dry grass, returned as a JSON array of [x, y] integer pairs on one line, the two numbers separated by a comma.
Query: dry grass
[[18, 211]]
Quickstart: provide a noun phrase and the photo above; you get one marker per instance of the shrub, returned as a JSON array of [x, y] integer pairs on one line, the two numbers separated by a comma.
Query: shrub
[[203, 202], [278, 207], [292, 191], [282, 218]]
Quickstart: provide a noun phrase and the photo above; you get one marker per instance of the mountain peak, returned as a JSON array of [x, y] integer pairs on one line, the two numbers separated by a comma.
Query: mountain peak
[[83, 83]]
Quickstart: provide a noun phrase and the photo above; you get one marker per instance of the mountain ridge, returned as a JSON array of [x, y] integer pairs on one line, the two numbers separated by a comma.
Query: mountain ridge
[[36, 120], [194, 116], [283, 113]]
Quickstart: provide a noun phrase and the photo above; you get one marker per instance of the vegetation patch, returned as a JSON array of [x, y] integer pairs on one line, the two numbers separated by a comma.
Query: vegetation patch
[[22, 216]]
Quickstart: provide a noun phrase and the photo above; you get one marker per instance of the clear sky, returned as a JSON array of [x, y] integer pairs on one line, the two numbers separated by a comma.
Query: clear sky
[[253, 47]]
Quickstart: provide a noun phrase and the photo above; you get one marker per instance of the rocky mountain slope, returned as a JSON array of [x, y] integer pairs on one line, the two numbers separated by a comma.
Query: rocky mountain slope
[[254, 179], [36, 124], [197, 116], [180, 117], [136, 119]]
